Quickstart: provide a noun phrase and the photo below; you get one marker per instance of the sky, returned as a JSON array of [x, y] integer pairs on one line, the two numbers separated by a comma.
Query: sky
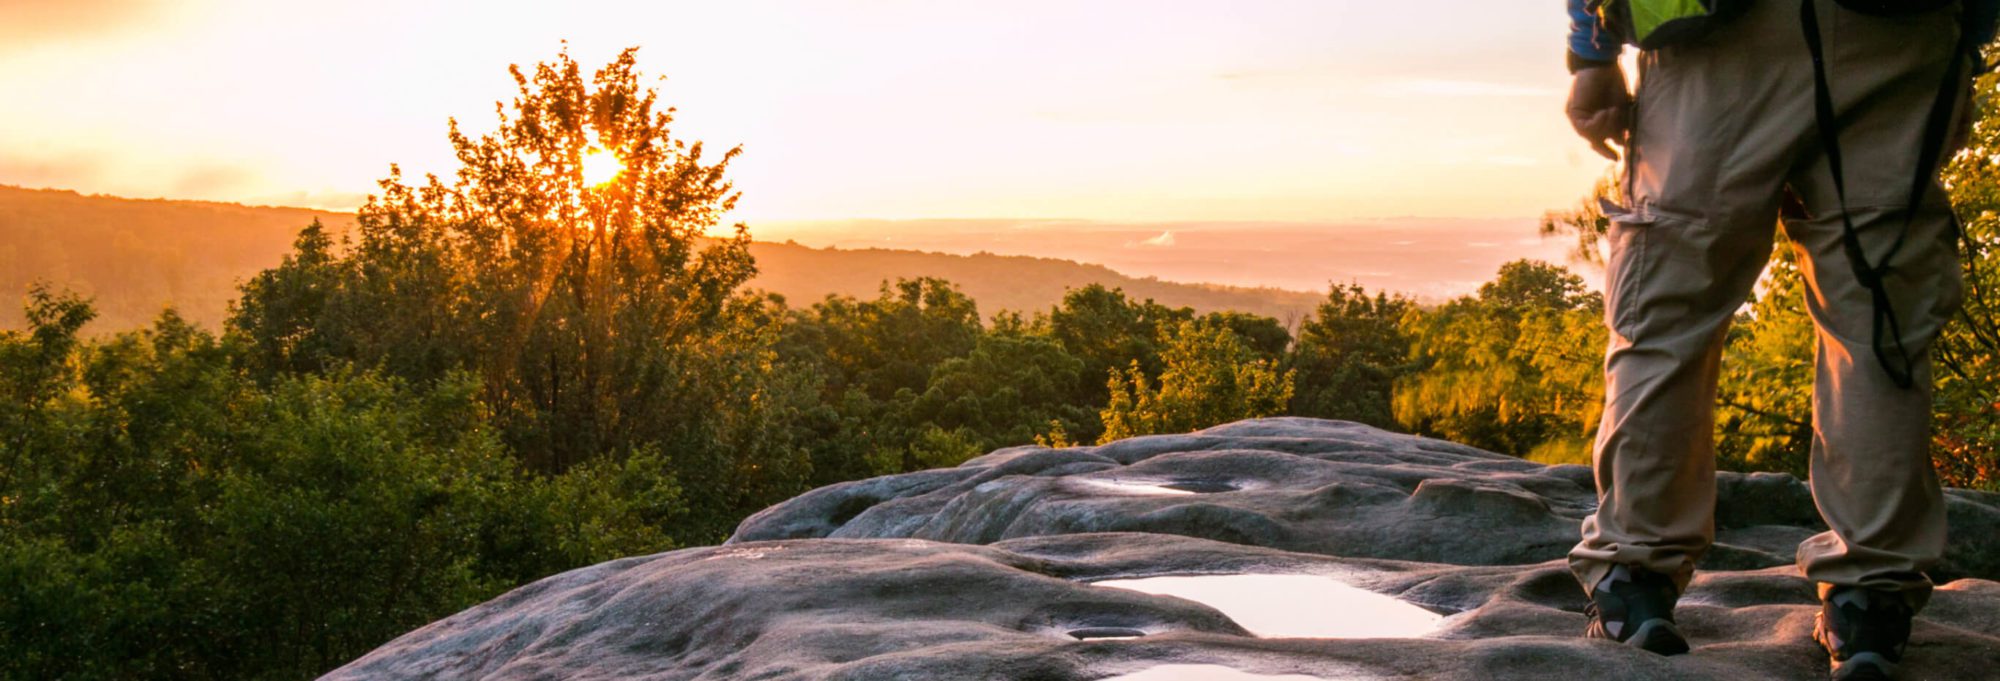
[[1107, 110]]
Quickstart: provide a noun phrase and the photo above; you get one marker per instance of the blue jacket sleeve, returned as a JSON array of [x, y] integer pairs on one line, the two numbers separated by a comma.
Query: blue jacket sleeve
[[1588, 38]]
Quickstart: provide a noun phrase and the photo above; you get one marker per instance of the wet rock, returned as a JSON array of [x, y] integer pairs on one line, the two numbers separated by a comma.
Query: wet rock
[[985, 571], [1313, 486], [1025, 609]]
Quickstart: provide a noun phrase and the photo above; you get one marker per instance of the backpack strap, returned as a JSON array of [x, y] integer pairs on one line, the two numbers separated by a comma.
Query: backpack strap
[[1893, 355]]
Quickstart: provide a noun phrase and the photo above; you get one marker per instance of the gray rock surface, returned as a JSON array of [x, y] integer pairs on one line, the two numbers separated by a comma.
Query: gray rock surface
[[983, 572], [1313, 486]]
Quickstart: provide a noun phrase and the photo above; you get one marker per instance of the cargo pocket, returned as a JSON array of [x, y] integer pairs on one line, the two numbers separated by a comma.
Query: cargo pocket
[[1625, 268]]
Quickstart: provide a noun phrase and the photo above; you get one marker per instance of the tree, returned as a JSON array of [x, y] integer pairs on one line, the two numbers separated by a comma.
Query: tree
[[1108, 331], [1513, 369], [164, 515], [1967, 401], [1587, 223], [1211, 376], [1264, 335], [1007, 391], [598, 314], [1764, 399], [889, 344], [868, 361], [284, 308], [1349, 356]]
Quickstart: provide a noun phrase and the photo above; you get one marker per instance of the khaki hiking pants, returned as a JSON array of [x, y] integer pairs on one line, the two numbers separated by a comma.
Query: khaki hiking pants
[[1721, 126]]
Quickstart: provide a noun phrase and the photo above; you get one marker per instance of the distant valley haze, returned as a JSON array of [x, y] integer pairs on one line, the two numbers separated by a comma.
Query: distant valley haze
[[1277, 144], [138, 256], [1428, 258]]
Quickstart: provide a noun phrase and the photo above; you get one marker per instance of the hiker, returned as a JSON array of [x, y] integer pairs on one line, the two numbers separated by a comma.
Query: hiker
[[1841, 108]]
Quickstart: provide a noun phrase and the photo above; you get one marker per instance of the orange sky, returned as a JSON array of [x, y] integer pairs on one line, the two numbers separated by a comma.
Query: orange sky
[[1100, 110]]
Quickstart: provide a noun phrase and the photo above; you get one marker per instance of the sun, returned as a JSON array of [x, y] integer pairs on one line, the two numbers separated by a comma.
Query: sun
[[600, 167]]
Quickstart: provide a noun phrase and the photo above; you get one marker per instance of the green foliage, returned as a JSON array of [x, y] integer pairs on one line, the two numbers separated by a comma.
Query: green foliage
[[1264, 335], [599, 320], [1211, 376], [910, 380], [1764, 400], [1349, 356], [889, 344], [1109, 331], [1512, 368], [1587, 223], [1561, 451], [164, 515], [1966, 433], [1006, 391]]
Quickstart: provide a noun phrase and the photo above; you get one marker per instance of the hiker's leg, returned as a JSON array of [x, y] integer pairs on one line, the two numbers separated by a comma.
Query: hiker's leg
[[1872, 475], [1672, 287], [1710, 149]]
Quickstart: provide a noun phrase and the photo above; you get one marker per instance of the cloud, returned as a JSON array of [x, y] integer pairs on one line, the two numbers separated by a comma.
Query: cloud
[[1164, 240], [28, 22]]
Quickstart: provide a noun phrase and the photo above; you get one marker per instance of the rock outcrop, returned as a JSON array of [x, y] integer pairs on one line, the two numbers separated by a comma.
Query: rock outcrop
[[986, 571]]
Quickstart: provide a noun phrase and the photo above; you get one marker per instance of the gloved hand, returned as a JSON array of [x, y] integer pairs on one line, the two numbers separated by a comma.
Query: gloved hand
[[1599, 108]]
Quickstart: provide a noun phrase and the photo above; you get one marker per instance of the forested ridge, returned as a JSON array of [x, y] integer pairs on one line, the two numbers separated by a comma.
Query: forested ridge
[[511, 372], [134, 257]]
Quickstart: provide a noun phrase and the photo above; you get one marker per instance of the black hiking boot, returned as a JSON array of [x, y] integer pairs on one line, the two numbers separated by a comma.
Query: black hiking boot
[[1864, 631], [1636, 607]]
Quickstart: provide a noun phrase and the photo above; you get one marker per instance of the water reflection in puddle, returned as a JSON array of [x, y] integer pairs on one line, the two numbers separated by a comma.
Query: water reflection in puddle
[[1294, 606], [1206, 672], [1114, 485]]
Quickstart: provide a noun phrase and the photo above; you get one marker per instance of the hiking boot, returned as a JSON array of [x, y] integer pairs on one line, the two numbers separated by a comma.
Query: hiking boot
[[1636, 607], [1864, 631]]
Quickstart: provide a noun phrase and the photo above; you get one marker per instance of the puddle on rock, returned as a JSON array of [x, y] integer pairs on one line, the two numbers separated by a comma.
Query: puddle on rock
[[1157, 486], [1207, 672], [1201, 486], [1105, 634], [1294, 606]]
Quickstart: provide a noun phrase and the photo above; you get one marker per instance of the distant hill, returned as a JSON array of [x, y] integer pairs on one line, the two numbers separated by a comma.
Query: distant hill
[[998, 282], [1432, 259], [136, 257]]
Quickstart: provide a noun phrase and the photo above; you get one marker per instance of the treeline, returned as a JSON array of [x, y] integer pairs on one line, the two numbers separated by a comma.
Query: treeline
[[333, 468], [516, 373], [134, 257]]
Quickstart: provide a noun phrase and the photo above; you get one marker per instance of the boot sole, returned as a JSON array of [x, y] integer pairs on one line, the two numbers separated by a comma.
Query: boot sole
[[1865, 667], [1661, 637]]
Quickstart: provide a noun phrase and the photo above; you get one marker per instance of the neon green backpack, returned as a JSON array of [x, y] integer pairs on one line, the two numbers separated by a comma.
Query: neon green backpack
[[1652, 24]]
